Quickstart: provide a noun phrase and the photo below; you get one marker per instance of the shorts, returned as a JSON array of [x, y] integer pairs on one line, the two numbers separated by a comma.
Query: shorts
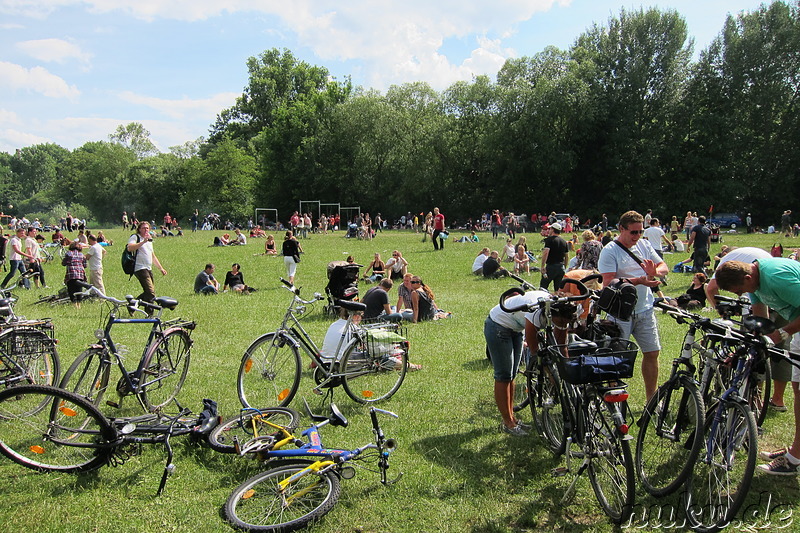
[[291, 266], [795, 347], [505, 349], [643, 327]]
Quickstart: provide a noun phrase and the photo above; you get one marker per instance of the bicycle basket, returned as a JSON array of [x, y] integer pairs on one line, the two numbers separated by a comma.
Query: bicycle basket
[[387, 341], [612, 359]]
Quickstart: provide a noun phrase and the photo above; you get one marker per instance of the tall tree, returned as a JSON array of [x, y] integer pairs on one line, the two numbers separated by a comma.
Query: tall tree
[[134, 136]]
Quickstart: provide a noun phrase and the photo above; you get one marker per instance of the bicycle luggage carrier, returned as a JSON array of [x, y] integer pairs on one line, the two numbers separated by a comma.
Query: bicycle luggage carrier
[[589, 362]]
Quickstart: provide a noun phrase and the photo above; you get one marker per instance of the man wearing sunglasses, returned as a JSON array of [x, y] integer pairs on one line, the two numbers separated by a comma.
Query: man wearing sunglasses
[[633, 258]]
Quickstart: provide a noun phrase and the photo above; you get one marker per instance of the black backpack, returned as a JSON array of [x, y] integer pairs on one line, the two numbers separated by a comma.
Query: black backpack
[[618, 299], [129, 258]]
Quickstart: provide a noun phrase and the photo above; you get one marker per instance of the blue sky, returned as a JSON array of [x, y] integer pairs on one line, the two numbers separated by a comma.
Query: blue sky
[[71, 71]]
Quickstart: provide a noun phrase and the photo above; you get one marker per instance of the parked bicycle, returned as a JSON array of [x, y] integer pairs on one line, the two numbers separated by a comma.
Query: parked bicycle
[[162, 367], [592, 400], [306, 483], [371, 366], [52, 430]]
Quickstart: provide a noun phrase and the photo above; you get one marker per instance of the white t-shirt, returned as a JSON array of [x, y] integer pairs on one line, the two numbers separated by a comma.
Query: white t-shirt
[[746, 254], [654, 234], [15, 242], [614, 259], [241, 239], [478, 263], [516, 321], [332, 338], [395, 264], [679, 246], [31, 247], [144, 257], [95, 256]]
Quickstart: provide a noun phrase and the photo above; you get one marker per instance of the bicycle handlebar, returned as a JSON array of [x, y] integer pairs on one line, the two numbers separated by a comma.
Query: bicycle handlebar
[[130, 302], [553, 300]]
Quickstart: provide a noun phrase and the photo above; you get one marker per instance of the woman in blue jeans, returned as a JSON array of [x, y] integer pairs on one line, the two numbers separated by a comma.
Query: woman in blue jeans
[[503, 332]]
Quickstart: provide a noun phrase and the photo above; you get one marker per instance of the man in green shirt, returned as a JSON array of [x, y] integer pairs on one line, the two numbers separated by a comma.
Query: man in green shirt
[[772, 283]]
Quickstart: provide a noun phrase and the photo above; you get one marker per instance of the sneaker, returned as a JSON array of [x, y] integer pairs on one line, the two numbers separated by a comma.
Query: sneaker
[[523, 425], [517, 431], [771, 456], [780, 467]]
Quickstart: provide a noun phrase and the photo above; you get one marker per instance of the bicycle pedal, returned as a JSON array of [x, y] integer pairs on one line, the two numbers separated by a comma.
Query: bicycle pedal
[[561, 471], [112, 403], [316, 391]]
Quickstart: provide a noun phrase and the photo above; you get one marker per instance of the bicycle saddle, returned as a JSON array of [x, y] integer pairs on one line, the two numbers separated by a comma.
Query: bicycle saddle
[[758, 325], [337, 418], [166, 302], [350, 306]]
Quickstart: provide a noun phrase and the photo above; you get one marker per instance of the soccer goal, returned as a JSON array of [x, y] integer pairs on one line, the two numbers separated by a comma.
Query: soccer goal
[[347, 213], [267, 218]]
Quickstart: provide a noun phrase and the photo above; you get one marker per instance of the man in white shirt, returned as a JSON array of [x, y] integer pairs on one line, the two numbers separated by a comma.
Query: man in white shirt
[[17, 247], [656, 236], [94, 254]]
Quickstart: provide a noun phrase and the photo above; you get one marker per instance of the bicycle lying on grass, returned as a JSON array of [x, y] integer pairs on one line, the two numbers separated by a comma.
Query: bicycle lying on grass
[[305, 484], [52, 430], [370, 367], [162, 367], [578, 402]]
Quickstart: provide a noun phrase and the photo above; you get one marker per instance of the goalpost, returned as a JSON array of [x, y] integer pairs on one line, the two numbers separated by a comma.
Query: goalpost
[[269, 216], [348, 210], [309, 202]]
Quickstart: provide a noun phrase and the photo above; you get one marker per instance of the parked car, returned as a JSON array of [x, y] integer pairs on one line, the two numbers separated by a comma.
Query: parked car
[[725, 220]]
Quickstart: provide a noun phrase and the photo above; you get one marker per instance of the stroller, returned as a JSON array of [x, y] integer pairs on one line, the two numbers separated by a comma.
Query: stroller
[[715, 236], [342, 284], [352, 233]]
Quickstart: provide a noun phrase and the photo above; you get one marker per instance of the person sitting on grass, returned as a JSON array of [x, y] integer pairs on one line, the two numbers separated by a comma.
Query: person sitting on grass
[[205, 283], [269, 246], [378, 268], [522, 262], [234, 280], [492, 268], [470, 238], [477, 264]]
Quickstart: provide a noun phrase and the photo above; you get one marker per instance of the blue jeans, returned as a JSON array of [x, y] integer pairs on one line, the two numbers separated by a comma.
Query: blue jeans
[[505, 349], [208, 289], [14, 266]]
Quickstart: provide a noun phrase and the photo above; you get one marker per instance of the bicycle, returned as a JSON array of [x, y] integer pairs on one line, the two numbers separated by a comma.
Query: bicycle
[[306, 483], [592, 401], [28, 352], [371, 366], [162, 367], [53, 430]]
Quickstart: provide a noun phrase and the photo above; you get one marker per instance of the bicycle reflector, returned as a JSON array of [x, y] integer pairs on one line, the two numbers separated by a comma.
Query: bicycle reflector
[[367, 393], [248, 365], [283, 394], [616, 396]]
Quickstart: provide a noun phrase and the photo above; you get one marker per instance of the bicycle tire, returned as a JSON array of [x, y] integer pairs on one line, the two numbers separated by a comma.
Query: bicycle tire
[[222, 440], [65, 434], [164, 370], [258, 504], [759, 392], [521, 390], [369, 374], [611, 471], [33, 353], [88, 375], [724, 470], [547, 408], [269, 373], [667, 448]]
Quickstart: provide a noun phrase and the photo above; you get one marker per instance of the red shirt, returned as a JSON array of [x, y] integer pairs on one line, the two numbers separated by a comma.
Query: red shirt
[[438, 222]]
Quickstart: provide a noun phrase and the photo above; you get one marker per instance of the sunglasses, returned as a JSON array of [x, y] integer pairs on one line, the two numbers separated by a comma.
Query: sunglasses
[[416, 282], [634, 231]]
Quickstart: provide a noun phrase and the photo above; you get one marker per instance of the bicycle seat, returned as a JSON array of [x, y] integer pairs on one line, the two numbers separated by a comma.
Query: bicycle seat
[[758, 325], [166, 302], [337, 418], [5, 309], [350, 306]]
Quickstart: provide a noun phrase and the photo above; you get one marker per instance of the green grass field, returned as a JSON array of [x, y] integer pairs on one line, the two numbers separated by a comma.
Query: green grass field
[[459, 472]]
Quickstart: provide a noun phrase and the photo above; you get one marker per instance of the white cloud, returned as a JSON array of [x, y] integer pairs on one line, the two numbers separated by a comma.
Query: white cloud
[[185, 107], [36, 79], [11, 139], [53, 50], [396, 40]]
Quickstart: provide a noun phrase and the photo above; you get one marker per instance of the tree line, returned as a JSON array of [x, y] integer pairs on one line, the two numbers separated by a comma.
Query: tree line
[[627, 117]]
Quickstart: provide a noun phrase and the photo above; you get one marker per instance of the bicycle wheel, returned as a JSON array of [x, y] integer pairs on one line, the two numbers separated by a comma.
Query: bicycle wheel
[[721, 478], [669, 437], [165, 366], [88, 375], [269, 373], [259, 504], [369, 374], [758, 392], [546, 406], [31, 353], [611, 471], [49, 429], [521, 391], [223, 436]]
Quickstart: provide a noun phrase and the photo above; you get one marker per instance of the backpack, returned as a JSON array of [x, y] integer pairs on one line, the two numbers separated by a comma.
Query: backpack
[[776, 250], [618, 299], [129, 258]]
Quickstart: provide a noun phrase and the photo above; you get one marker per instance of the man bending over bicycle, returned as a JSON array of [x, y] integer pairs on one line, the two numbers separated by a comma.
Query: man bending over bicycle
[[772, 283]]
